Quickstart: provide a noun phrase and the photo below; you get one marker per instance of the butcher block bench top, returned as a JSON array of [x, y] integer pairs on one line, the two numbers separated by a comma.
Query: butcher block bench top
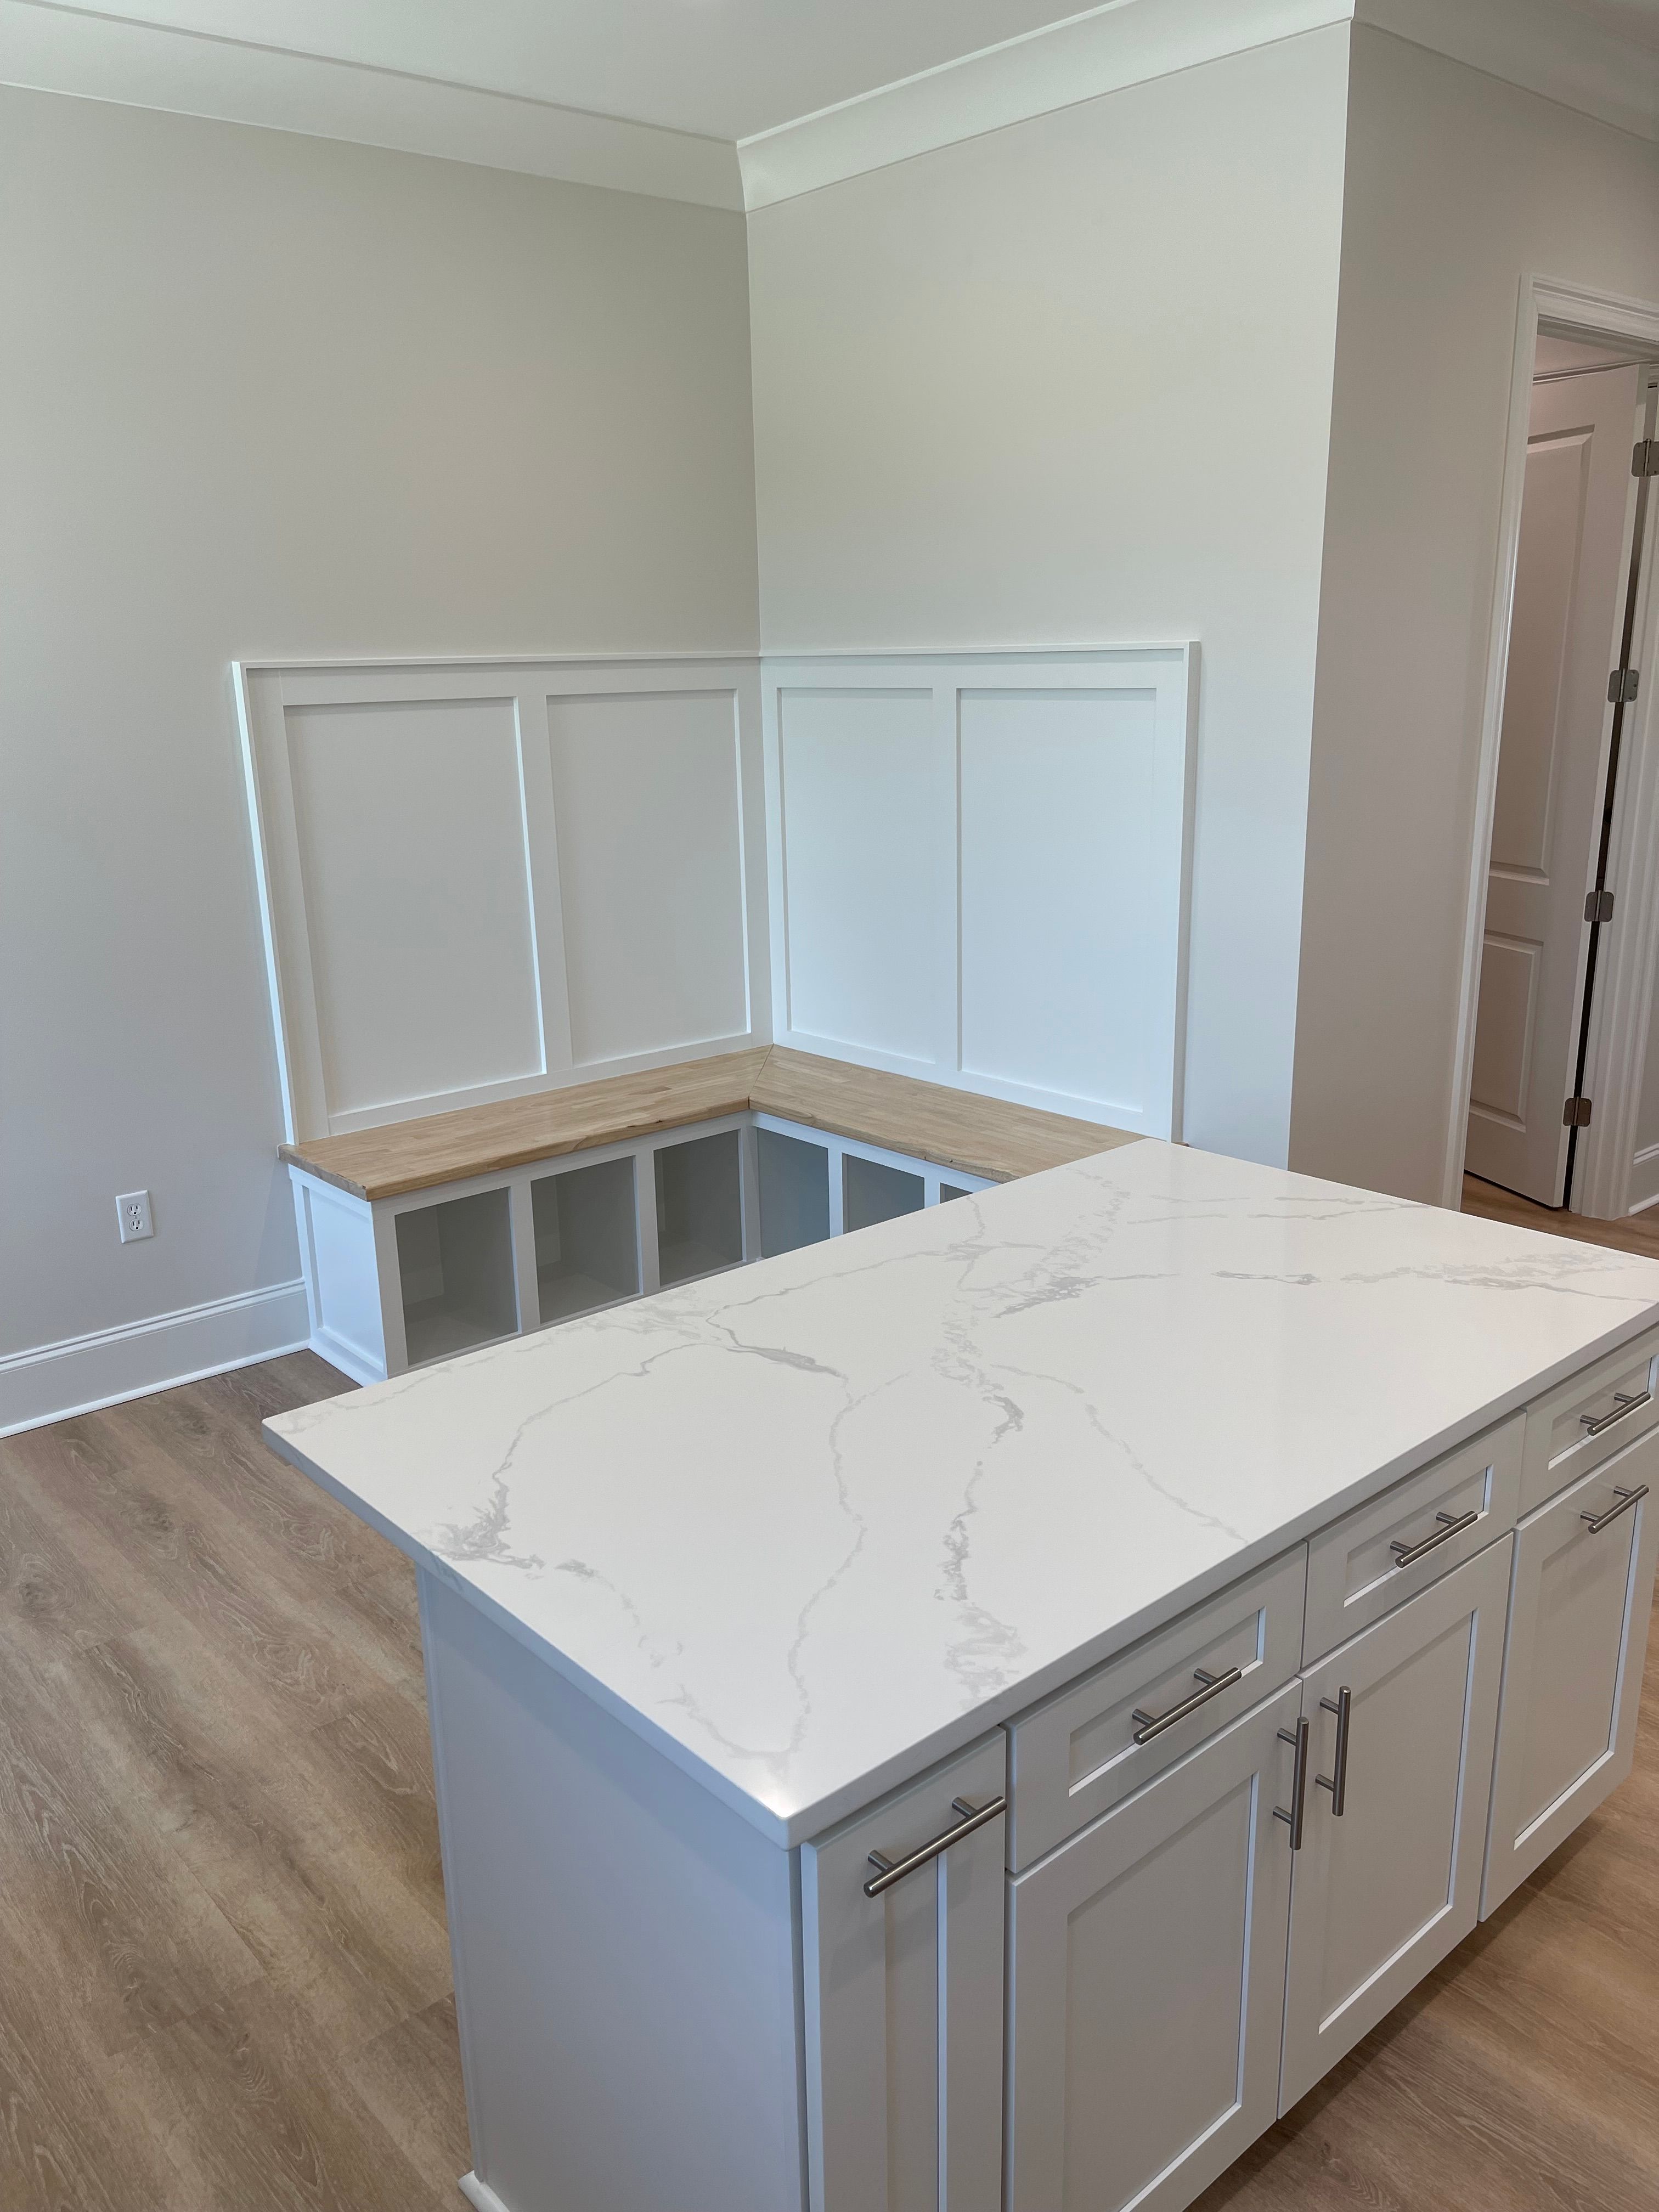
[[985, 1137]]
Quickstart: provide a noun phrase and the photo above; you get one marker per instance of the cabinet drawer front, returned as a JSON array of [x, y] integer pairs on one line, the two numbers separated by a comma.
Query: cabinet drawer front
[[904, 2002], [1384, 1888], [1572, 1667], [1355, 1572], [1586, 1418], [1148, 1983], [1077, 1756]]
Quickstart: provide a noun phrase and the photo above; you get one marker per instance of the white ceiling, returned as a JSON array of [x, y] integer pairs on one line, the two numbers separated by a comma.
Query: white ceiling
[[724, 69]]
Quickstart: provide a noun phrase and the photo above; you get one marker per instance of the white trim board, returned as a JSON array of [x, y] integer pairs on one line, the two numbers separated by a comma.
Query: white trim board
[[566, 882], [1535, 43], [47, 47], [79, 1374], [978, 869]]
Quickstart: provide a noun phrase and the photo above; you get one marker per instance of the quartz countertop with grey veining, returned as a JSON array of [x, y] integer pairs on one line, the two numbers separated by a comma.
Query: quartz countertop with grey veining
[[809, 1525]]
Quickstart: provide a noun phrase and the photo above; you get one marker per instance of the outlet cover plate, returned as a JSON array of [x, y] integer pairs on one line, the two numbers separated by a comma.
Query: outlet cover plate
[[132, 1212]]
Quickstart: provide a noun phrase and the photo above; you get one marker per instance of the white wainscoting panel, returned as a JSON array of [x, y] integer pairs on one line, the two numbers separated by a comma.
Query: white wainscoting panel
[[480, 879], [979, 867], [648, 795]]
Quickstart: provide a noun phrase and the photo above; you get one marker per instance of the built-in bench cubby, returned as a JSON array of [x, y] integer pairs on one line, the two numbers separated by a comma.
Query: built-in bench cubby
[[455, 1275], [425, 1239], [587, 1227], [699, 1207]]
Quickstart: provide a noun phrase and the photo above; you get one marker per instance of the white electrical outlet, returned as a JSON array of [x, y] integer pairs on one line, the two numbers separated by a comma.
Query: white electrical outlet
[[133, 1208]]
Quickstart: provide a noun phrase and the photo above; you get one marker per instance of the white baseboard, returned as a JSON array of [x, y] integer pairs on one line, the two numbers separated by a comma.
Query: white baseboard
[[480, 2195], [81, 1373]]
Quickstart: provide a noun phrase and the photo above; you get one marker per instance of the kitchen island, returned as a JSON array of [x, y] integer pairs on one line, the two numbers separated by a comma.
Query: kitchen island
[[987, 1709]]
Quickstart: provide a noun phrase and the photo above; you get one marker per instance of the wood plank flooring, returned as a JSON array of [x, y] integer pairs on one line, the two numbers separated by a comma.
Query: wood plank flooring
[[224, 1978]]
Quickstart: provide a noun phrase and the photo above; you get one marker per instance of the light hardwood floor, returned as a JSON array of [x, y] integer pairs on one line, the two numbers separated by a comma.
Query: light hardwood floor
[[224, 1980]]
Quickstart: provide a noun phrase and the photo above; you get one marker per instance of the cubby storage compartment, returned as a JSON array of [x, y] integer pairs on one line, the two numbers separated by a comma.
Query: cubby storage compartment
[[587, 1249], [795, 1191], [873, 1193], [947, 1191], [455, 1268], [699, 1207]]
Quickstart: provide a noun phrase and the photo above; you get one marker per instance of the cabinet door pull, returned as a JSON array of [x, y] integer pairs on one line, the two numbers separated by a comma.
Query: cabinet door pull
[[1338, 1786], [970, 1817], [1627, 1498], [1153, 1724], [1407, 1555], [1624, 1402], [1293, 1818]]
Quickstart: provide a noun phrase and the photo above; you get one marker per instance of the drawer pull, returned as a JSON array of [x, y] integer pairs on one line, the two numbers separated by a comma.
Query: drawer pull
[[970, 1817], [1624, 1402], [1627, 1498], [1338, 1787], [1153, 1724], [1293, 1818], [1407, 1555]]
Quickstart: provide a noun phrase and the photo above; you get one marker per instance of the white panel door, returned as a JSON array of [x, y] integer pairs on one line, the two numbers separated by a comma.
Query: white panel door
[[1388, 1880], [904, 2003], [1148, 1983], [648, 807], [863, 792], [1060, 881], [1545, 824], [1573, 1668], [412, 852]]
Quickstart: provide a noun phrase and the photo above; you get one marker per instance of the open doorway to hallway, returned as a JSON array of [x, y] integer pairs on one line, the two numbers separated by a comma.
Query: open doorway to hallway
[[1569, 772]]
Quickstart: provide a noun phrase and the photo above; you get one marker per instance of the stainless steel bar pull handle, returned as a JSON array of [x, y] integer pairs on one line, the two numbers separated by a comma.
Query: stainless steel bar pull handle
[[1406, 1555], [1338, 1783], [1624, 1402], [1627, 1498], [1153, 1724], [970, 1817], [1294, 1819]]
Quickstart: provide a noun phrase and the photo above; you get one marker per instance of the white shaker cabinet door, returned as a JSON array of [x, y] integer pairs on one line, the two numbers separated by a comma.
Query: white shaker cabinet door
[[1388, 1880], [904, 2000], [1572, 1672], [1147, 1963]]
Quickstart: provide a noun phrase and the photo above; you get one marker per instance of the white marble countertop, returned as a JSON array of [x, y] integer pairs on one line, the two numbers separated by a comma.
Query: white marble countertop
[[810, 1525]]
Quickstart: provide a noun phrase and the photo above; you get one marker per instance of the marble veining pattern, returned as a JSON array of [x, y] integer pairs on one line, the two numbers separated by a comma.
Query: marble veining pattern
[[814, 1522]]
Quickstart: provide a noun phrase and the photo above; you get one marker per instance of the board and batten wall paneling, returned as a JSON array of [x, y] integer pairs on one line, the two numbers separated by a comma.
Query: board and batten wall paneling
[[481, 879], [979, 870]]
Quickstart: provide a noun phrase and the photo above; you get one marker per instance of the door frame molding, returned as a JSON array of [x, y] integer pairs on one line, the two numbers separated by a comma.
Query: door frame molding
[[1630, 947]]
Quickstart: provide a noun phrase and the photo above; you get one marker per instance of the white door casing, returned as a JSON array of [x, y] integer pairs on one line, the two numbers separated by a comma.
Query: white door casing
[[1568, 608]]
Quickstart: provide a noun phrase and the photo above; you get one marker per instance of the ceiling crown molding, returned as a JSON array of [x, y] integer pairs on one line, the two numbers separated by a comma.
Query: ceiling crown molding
[[48, 47], [1538, 44]]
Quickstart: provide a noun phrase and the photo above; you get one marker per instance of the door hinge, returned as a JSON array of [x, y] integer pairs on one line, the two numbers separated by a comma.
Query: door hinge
[[1576, 1114], [1598, 906], [1623, 685], [1644, 461]]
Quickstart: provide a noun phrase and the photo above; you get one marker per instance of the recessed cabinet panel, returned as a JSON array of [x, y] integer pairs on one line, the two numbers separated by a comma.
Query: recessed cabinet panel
[[455, 1264], [587, 1239], [947, 1191], [699, 1207], [795, 1191], [1383, 1890], [904, 2003], [1148, 1963], [872, 1192], [1572, 1672]]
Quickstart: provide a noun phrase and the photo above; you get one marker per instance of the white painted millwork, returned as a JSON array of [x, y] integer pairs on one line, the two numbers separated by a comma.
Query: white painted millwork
[[903, 2017], [1568, 617], [745, 1596], [979, 869], [1383, 1893], [1572, 1670], [482, 879], [1147, 1984]]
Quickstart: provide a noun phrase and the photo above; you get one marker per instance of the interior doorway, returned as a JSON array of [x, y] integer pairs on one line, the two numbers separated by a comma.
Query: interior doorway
[[1556, 867]]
